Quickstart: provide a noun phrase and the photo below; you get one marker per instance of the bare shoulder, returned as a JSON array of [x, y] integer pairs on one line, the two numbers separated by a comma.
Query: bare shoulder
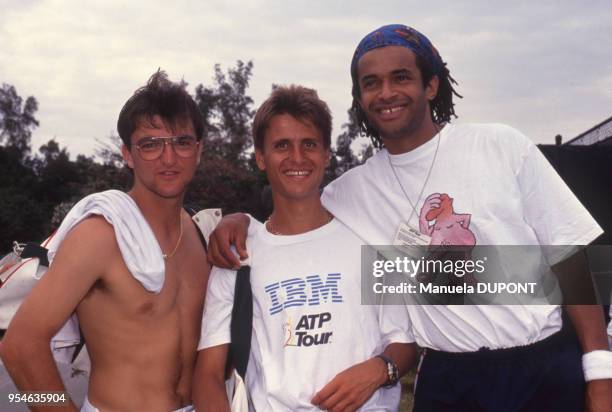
[[89, 247], [82, 258], [93, 233]]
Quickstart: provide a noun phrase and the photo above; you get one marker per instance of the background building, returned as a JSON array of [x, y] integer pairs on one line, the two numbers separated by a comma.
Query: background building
[[598, 135], [585, 163]]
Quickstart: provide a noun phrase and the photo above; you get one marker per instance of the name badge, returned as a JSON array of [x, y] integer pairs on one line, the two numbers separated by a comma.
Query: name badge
[[411, 241]]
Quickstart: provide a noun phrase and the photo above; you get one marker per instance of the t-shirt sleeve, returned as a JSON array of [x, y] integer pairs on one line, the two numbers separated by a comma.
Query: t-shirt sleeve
[[395, 326], [341, 198], [334, 197], [551, 208], [254, 226], [218, 306]]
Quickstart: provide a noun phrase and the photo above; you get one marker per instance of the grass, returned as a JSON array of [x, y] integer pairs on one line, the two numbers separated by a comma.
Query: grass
[[407, 399]]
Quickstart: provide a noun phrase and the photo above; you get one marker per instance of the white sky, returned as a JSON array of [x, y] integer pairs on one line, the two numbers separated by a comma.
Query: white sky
[[543, 67]]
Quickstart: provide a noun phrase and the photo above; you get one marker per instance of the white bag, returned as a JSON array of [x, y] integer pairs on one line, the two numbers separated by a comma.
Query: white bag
[[23, 275]]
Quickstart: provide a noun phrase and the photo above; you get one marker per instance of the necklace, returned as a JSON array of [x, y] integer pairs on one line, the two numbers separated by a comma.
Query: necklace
[[271, 229], [178, 242], [399, 182]]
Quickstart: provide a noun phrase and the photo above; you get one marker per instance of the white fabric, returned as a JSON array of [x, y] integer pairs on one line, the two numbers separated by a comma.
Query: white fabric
[[314, 274], [18, 278], [207, 220], [88, 407], [139, 247], [503, 192], [188, 408], [237, 393], [597, 365], [17, 283]]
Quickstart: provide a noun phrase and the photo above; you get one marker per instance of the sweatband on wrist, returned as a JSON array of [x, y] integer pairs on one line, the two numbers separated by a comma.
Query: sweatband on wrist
[[597, 365]]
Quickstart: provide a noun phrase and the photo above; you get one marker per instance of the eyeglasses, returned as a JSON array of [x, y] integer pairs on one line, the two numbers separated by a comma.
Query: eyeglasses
[[151, 148]]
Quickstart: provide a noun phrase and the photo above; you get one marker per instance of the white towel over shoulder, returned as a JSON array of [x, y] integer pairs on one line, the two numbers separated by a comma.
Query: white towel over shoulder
[[137, 243]]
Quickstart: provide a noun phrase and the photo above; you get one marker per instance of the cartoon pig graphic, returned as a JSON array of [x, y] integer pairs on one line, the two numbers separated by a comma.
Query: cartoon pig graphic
[[446, 228], [439, 220]]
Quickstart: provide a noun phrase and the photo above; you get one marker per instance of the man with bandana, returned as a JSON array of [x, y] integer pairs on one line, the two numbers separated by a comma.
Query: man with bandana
[[470, 184]]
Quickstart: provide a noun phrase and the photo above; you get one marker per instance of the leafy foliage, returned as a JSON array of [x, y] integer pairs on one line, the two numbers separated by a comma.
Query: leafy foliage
[[16, 120], [227, 113]]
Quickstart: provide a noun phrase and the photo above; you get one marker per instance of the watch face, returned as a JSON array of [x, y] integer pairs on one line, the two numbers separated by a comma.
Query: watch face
[[393, 374]]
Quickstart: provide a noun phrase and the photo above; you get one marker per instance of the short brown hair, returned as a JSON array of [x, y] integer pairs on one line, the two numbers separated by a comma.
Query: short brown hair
[[163, 98], [297, 101]]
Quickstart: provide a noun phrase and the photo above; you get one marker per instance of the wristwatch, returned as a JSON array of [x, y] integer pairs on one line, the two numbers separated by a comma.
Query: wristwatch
[[392, 372]]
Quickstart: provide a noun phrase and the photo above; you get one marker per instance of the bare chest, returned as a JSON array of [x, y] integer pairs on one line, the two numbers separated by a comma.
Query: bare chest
[[120, 295]]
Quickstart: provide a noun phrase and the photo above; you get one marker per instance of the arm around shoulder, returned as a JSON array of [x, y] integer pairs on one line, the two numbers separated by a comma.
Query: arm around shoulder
[[232, 230]]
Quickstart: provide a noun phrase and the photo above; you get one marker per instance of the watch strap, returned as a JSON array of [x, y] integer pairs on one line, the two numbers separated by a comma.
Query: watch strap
[[392, 372]]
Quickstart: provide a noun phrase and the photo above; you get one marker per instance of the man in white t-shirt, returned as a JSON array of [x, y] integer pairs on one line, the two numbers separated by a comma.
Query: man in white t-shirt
[[313, 344], [465, 185]]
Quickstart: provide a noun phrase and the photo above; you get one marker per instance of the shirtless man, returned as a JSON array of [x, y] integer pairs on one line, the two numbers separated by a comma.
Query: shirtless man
[[142, 344]]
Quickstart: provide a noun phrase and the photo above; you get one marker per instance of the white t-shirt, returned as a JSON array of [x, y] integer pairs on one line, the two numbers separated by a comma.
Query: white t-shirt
[[499, 190], [308, 323]]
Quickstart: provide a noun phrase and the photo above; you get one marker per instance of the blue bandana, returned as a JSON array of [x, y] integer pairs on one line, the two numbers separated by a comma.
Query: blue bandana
[[398, 35]]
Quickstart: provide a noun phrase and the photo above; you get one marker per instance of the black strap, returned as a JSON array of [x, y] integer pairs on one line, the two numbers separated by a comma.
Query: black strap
[[201, 236], [241, 326], [34, 250], [242, 321], [191, 211], [79, 347]]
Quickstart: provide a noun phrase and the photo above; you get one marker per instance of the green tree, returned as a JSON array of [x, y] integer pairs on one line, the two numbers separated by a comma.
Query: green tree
[[20, 216], [111, 173], [343, 158], [16, 120], [227, 113], [226, 177]]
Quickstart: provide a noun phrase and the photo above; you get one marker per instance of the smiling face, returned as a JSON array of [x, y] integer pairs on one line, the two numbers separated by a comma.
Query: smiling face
[[393, 97], [169, 174], [293, 157]]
